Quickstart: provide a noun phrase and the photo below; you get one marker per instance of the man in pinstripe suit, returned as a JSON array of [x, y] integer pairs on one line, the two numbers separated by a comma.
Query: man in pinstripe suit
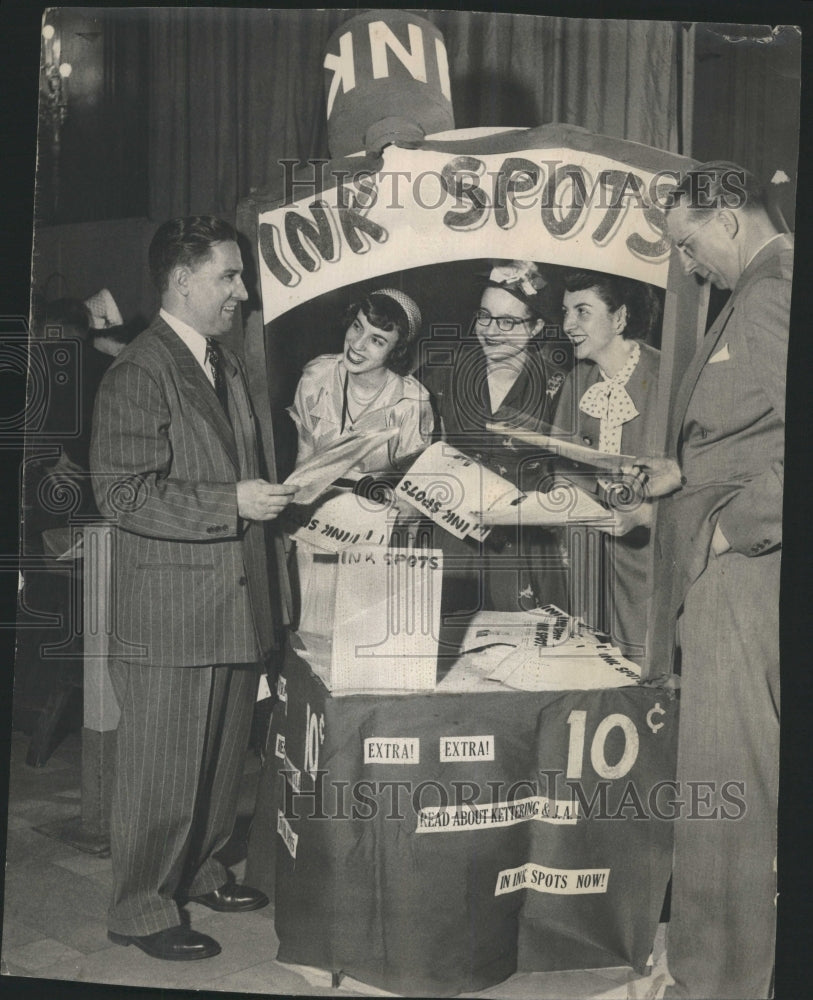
[[175, 464]]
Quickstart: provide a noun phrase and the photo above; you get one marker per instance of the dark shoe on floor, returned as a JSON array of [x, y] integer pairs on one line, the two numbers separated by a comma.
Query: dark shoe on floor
[[232, 898], [176, 944]]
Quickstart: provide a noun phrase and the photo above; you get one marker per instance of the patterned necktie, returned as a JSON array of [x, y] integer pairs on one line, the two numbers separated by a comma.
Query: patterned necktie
[[214, 359]]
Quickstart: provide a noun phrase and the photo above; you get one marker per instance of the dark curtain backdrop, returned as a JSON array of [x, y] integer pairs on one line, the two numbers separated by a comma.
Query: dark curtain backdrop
[[753, 97], [232, 92]]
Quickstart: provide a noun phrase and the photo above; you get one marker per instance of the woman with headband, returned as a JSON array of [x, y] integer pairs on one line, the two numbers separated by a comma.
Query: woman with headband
[[608, 403], [367, 387], [499, 374]]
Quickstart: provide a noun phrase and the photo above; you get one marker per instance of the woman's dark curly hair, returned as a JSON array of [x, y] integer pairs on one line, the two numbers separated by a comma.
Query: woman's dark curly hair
[[641, 300], [384, 313]]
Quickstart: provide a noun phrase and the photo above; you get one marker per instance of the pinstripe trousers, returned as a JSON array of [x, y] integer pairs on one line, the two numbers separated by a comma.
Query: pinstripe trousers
[[180, 751]]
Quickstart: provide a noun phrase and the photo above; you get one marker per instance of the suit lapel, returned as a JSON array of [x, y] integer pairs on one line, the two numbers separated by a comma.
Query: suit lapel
[[200, 391], [712, 338], [242, 416], [702, 355]]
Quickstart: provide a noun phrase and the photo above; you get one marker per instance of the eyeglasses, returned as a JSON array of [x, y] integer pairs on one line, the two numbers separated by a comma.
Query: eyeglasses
[[682, 245], [504, 323]]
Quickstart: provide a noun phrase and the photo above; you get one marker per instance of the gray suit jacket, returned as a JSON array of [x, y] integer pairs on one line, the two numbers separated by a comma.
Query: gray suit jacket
[[191, 577], [727, 430]]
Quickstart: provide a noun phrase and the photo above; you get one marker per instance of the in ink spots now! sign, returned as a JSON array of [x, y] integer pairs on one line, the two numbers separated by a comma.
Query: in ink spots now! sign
[[558, 881]]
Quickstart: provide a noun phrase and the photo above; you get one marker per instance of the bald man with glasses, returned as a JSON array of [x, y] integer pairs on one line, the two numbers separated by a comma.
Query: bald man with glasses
[[718, 543]]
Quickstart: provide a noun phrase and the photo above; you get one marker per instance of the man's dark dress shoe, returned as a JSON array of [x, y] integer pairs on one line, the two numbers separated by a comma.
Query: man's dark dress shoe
[[232, 898], [176, 944]]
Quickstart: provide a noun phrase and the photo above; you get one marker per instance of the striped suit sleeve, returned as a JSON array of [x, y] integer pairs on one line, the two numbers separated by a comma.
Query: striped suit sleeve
[[131, 461]]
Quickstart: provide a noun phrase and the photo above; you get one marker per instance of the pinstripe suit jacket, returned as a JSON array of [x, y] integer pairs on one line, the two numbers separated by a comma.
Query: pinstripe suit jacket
[[727, 430], [191, 578]]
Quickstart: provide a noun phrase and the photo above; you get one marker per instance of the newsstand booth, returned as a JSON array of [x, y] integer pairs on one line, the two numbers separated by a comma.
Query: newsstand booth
[[393, 896]]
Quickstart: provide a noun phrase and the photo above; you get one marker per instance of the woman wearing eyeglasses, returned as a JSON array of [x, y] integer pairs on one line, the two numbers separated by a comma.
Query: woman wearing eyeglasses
[[498, 373], [608, 403]]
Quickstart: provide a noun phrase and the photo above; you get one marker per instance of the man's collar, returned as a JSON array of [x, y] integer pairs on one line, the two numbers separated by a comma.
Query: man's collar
[[178, 325], [762, 246], [195, 341]]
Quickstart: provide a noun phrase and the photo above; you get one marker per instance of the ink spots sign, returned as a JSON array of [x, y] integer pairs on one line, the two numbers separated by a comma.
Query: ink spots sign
[[554, 193], [519, 198]]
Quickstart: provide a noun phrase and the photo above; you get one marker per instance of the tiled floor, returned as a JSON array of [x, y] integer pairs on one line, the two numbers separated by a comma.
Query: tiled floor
[[56, 897]]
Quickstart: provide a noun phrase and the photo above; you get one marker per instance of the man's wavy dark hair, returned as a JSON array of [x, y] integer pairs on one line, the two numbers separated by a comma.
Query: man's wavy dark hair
[[188, 242]]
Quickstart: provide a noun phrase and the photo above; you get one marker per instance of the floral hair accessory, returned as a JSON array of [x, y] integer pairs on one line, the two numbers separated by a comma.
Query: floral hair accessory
[[522, 275]]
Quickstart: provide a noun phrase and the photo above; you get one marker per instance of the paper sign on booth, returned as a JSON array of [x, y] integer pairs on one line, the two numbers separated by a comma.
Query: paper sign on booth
[[559, 881], [341, 522], [289, 838], [540, 808], [459, 748], [387, 620], [392, 750]]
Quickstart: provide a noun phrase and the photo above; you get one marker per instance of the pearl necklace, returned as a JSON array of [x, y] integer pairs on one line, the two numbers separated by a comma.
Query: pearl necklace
[[350, 392]]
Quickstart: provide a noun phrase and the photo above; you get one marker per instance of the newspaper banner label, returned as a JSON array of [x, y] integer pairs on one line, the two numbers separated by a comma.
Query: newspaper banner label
[[559, 881], [466, 748], [289, 838], [293, 774], [448, 819], [393, 750]]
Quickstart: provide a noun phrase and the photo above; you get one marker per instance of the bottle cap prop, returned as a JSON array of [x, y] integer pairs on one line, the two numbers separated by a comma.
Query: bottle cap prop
[[386, 82]]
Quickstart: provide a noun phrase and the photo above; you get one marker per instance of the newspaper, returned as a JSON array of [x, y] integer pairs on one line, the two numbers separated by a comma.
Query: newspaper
[[606, 461], [315, 474], [564, 503], [543, 650], [457, 492], [545, 627]]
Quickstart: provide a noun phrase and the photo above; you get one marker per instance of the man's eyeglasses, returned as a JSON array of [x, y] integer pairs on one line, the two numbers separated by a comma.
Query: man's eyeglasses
[[504, 323], [683, 245]]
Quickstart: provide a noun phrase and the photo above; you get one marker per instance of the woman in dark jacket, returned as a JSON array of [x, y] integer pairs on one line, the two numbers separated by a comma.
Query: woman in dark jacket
[[608, 402], [498, 374]]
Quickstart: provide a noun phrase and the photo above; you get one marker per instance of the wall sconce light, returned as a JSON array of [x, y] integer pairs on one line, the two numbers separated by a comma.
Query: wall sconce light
[[54, 94], [55, 75]]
